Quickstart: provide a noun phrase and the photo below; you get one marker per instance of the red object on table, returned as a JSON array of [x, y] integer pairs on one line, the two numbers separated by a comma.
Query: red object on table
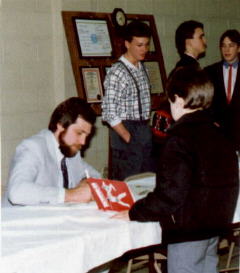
[[111, 194]]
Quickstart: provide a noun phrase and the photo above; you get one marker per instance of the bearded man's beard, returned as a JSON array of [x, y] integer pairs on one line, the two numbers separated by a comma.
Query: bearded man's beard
[[65, 149]]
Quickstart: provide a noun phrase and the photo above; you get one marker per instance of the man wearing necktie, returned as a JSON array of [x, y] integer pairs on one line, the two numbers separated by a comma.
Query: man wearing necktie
[[47, 168], [225, 76]]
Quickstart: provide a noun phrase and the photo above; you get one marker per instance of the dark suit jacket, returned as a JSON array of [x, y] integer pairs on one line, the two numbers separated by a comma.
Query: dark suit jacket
[[185, 60], [227, 115]]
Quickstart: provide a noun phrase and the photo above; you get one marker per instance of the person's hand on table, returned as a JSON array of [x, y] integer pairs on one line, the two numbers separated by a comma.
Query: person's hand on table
[[80, 194], [122, 215]]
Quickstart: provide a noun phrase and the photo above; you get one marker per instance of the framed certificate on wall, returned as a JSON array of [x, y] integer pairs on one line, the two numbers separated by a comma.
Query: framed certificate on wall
[[93, 37], [92, 84], [154, 77]]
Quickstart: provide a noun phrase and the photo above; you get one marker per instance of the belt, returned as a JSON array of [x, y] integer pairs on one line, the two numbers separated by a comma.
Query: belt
[[146, 121]]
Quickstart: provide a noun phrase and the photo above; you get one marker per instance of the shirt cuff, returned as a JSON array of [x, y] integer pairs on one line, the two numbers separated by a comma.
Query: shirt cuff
[[61, 195], [115, 122]]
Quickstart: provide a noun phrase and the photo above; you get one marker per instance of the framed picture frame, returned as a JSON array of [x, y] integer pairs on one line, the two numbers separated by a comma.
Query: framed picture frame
[[154, 77], [93, 37], [92, 84]]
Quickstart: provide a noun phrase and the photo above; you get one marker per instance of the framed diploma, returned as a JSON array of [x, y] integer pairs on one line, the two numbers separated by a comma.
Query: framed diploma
[[155, 77], [93, 37], [92, 84]]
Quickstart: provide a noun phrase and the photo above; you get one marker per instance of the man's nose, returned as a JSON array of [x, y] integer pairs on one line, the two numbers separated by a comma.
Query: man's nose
[[226, 48], [82, 140], [146, 48]]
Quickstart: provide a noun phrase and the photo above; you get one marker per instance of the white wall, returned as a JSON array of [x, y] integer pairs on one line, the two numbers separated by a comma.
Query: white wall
[[27, 95], [36, 71]]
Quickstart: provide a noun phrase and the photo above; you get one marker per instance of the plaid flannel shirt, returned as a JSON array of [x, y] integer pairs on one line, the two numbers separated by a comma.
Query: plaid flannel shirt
[[120, 101]]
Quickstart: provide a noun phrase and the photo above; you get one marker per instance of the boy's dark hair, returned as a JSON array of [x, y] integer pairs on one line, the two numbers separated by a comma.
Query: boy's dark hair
[[191, 84], [138, 29], [67, 112], [185, 31], [232, 34]]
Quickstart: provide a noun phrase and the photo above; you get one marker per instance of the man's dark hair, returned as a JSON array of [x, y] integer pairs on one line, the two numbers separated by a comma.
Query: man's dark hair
[[185, 31], [67, 112], [138, 29], [191, 84], [232, 34]]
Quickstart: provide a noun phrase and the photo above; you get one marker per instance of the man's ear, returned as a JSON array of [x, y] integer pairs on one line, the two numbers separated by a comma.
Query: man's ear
[[179, 101], [60, 128], [58, 131], [188, 45], [126, 43]]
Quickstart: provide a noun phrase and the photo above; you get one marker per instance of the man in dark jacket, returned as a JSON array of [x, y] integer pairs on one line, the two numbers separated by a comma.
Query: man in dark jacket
[[197, 181], [225, 76], [190, 42]]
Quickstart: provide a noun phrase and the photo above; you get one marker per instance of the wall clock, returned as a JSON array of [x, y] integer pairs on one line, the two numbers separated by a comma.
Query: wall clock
[[119, 18]]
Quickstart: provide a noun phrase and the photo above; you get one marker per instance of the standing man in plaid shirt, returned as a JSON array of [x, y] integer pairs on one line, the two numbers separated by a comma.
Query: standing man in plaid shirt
[[126, 106]]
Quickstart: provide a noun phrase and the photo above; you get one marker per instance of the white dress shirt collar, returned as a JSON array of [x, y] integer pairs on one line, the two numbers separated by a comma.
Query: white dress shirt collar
[[129, 64]]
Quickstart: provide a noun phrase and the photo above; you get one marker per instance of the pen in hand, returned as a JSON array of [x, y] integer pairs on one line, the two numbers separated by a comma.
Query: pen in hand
[[87, 174]]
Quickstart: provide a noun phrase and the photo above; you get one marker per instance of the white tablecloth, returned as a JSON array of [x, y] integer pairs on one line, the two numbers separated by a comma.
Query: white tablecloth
[[67, 239]]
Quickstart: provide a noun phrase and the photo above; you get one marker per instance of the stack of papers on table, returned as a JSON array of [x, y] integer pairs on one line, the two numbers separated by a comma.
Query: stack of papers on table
[[141, 184]]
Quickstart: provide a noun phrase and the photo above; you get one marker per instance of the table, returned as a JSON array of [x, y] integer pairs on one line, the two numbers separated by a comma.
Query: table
[[71, 238]]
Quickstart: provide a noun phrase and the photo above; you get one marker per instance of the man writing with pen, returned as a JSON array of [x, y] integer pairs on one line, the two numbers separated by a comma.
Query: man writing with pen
[[47, 168]]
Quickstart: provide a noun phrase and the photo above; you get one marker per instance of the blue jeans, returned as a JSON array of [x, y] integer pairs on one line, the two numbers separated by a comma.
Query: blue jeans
[[193, 257]]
